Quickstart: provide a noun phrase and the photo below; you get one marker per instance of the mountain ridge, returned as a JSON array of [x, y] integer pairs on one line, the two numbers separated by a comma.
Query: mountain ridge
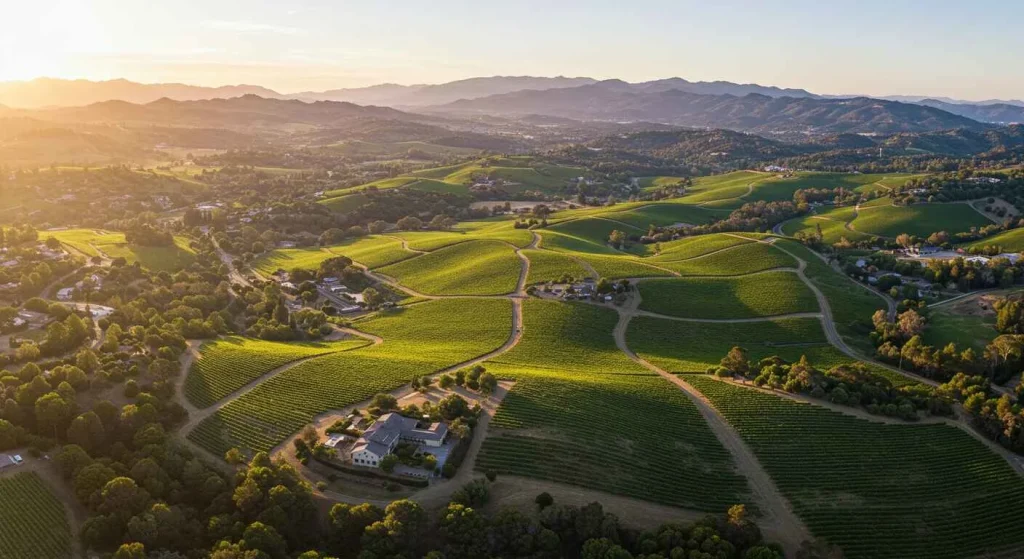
[[753, 112]]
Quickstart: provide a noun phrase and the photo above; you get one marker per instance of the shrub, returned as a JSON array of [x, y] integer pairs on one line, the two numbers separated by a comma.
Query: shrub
[[544, 500]]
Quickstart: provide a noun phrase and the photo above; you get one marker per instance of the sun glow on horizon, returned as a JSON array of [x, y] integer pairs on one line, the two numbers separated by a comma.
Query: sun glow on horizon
[[51, 39]]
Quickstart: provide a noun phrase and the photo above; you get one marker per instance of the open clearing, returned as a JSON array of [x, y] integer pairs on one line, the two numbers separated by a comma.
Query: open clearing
[[114, 245]]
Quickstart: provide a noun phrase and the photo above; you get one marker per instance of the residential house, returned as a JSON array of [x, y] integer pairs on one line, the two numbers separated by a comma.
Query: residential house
[[381, 438]]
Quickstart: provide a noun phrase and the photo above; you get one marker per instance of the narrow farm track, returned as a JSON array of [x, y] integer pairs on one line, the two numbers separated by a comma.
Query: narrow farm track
[[829, 326], [889, 302], [405, 245], [836, 340], [780, 523]]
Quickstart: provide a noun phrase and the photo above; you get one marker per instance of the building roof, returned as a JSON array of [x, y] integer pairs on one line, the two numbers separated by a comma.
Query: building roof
[[435, 432], [390, 427]]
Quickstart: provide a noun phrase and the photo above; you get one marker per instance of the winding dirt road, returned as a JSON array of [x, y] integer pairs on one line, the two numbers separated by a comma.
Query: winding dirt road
[[779, 522]]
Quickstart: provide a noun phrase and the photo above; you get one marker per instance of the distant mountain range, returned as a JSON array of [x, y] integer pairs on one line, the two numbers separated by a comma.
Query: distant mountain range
[[753, 112], [48, 92]]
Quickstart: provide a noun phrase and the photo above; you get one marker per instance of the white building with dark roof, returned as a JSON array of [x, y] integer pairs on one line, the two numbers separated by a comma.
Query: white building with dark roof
[[381, 438]]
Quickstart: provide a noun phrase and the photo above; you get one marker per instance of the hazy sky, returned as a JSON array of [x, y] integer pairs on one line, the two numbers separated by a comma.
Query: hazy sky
[[970, 50]]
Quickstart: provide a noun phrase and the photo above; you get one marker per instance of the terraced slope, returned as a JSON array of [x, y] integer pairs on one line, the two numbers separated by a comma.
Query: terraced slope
[[418, 340], [572, 417], [879, 491]]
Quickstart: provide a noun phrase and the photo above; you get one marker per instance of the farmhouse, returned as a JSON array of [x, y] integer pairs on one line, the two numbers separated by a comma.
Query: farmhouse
[[381, 438]]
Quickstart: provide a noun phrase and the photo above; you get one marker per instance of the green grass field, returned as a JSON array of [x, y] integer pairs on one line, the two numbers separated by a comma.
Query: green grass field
[[373, 251], [945, 327], [571, 417], [32, 520], [114, 245], [767, 294], [879, 491], [227, 364], [418, 340], [469, 268], [685, 347], [920, 219]]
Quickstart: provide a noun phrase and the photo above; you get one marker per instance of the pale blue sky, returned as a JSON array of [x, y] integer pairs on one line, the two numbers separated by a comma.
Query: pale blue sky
[[968, 50]]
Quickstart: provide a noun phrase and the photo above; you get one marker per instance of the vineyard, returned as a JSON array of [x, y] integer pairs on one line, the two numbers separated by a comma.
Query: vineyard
[[470, 268], [767, 294], [852, 304], [546, 265], [667, 213], [879, 491], [692, 247], [614, 267], [593, 229], [372, 252], [467, 231], [567, 243], [32, 520], [418, 340], [745, 258], [572, 417], [919, 219], [227, 364], [831, 228], [694, 346]]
